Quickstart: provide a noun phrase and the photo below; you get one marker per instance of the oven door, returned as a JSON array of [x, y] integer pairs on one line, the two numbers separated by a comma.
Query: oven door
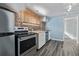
[[26, 44]]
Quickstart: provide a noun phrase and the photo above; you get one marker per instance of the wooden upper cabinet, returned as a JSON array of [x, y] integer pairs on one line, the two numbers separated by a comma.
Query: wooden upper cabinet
[[29, 17]]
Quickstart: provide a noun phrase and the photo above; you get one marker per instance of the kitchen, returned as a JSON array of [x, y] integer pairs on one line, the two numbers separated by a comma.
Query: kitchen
[[19, 28], [26, 30]]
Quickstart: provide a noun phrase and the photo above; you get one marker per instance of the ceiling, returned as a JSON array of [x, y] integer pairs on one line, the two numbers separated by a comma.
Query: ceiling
[[48, 9]]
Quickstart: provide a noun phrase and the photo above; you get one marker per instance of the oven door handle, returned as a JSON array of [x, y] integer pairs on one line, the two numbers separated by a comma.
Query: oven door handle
[[27, 37]]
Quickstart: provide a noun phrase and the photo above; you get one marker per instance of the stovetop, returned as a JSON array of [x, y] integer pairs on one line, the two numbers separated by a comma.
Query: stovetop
[[22, 34]]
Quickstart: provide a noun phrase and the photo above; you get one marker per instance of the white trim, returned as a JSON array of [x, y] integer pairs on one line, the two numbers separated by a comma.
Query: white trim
[[57, 39], [69, 35], [64, 28], [64, 25], [77, 30]]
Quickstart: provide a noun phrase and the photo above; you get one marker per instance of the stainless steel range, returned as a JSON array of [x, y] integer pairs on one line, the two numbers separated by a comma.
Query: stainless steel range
[[26, 42]]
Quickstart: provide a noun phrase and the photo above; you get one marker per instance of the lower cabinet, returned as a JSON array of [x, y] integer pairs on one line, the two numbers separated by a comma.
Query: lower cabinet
[[41, 38]]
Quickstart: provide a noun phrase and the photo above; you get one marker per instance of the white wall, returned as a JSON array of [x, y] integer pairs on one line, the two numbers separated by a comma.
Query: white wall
[[71, 27]]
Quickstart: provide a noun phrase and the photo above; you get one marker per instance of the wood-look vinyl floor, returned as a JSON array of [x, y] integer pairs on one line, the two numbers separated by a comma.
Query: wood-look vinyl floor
[[58, 48]]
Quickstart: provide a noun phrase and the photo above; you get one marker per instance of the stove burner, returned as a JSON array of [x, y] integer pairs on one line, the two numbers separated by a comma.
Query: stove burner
[[23, 33]]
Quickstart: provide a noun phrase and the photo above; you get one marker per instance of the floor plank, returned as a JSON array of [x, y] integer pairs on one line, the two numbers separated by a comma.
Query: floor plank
[[58, 48]]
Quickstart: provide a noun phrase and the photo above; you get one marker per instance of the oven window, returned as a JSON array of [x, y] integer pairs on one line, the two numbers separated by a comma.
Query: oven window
[[27, 44]]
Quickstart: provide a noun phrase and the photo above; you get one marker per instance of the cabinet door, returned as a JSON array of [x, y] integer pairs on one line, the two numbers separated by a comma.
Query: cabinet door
[[26, 19], [32, 20], [41, 39], [37, 21]]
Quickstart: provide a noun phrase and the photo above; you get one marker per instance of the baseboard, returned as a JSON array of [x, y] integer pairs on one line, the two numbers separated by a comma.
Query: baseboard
[[57, 39]]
